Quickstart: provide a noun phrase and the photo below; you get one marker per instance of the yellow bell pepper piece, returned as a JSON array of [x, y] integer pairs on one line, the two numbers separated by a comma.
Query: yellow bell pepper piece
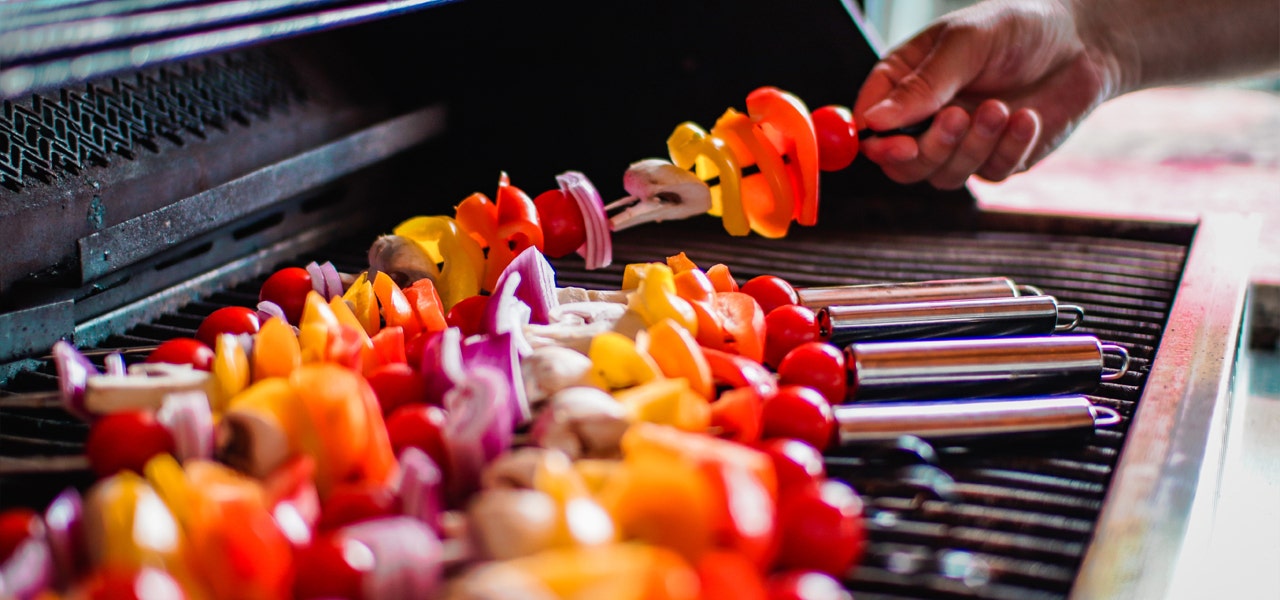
[[582, 521], [769, 210], [631, 275], [364, 304], [656, 299], [678, 355], [445, 242], [617, 572], [617, 364], [691, 147], [128, 526], [276, 351], [230, 372], [314, 327], [667, 402]]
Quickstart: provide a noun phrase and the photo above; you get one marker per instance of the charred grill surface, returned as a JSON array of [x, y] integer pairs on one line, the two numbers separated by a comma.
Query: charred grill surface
[[982, 521]]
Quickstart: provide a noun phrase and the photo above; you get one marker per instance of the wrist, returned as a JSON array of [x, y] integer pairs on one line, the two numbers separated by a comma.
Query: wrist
[[1110, 46]]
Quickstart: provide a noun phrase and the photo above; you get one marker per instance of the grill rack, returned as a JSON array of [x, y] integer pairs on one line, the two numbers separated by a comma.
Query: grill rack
[[984, 522]]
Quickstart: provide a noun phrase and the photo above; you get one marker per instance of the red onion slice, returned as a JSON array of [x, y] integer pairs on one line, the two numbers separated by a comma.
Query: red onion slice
[[188, 417], [421, 487], [113, 364], [505, 313], [332, 280], [74, 371], [598, 249], [499, 352], [537, 286], [478, 427], [408, 558], [317, 279], [64, 530], [442, 363], [268, 310], [29, 571]]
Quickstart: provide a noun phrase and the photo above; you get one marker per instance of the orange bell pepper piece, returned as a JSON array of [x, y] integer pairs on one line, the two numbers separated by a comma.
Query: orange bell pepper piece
[[662, 500], [721, 279], [478, 216], [229, 370], [727, 575], [314, 327], [738, 415], [772, 108], [766, 196], [678, 355], [396, 311], [425, 301], [617, 572], [741, 322], [680, 263], [341, 426], [276, 352]]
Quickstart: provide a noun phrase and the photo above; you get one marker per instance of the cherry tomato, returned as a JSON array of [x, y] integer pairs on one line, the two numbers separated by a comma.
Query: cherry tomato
[[396, 385], [288, 288], [771, 292], [818, 365], [349, 503], [118, 583], [16, 525], [467, 315], [420, 426], [563, 228], [799, 412], [787, 327], [796, 463], [229, 319], [821, 529], [332, 566], [837, 137], [806, 585], [126, 440], [183, 351]]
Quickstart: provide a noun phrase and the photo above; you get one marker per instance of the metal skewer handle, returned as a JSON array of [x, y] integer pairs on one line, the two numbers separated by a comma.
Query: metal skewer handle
[[917, 291], [980, 368], [983, 317], [966, 419]]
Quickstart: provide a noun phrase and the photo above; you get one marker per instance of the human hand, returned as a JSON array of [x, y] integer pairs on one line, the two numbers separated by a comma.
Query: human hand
[[1006, 82]]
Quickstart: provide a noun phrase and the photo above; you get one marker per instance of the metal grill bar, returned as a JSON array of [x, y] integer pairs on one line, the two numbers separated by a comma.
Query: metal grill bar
[[999, 522]]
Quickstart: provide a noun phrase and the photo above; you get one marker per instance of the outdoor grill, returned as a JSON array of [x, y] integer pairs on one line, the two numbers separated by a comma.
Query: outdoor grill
[[159, 159]]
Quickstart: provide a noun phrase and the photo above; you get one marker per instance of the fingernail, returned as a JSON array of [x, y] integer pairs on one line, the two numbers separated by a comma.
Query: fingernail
[[952, 128], [989, 123], [903, 153]]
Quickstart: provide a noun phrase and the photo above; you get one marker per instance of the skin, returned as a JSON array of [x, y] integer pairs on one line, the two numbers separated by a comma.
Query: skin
[[1007, 81]]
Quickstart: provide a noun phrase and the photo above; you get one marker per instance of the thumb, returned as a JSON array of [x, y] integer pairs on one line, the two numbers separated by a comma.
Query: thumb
[[921, 88]]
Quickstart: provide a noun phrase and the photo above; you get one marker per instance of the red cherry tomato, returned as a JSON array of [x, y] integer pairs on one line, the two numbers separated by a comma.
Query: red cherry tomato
[[771, 292], [420, 426], [126, 440], [332, 566], [467, 315], [799, 412], [837, 137], [787, 327], [396, 385], [563, 228], [796, 463], [818, 365], [16, 525], [806, 585], [119, 583], [821, 529], [229, 319], [288, 288], [349, 503], [183, 351]]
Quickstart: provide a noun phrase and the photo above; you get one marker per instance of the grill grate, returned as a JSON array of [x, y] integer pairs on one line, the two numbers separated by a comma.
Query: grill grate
[[1011, 521]]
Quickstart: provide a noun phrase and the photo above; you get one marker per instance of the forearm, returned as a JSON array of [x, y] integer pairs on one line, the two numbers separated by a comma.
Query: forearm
[[1161, 42]]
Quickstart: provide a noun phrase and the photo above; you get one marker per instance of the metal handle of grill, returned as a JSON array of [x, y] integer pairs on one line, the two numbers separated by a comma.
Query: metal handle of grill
[[917, 291], [966, 419], [979, 368], [983, 317]]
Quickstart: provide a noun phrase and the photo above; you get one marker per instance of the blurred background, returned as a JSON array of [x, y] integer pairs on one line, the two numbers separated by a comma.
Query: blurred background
[[1181, 152]]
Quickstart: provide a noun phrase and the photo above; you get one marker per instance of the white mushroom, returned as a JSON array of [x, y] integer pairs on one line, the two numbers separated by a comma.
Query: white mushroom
[[497, 581], [574, 324], [550, 369], [582, 422], [402, 259], [514, 469], [568, 295], [144, 387], [660, 191], [506, 523]]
